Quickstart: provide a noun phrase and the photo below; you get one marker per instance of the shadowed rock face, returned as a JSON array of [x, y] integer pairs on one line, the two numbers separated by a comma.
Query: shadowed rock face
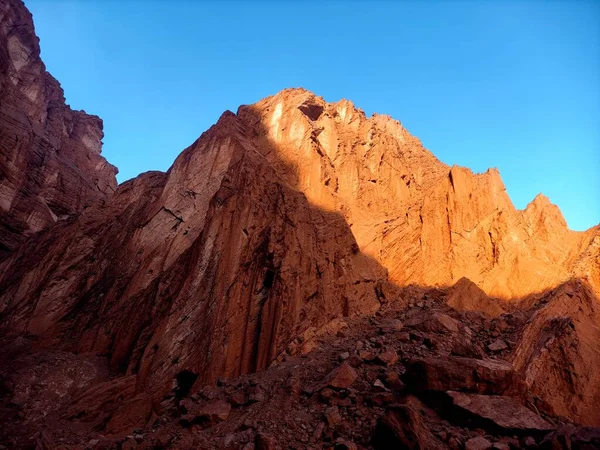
[[213, 268], [559, 352], [50, 163]]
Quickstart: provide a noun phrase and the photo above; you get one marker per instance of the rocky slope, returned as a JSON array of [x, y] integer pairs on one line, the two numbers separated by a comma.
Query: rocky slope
[[280, 225], [418, 374], [50, 163]]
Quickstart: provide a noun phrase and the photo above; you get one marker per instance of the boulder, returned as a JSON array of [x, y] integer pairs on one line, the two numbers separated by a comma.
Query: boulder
[[433, 322], [341, 377], [558, 351], [467, 349], [264, 441], [463, 374], [478, 443], [497, 346], [387, 358], [332, 416], [402, 426], [467, 296], [497, 414], [206, 415]]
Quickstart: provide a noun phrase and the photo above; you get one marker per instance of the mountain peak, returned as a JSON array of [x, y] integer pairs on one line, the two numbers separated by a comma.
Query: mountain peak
[[542, 210]]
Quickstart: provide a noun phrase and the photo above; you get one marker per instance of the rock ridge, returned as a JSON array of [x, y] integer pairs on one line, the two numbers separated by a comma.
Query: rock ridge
[[50, 164]]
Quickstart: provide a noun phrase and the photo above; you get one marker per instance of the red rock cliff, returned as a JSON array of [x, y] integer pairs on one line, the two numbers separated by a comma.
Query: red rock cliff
[[427, 223], [278, 220], [50, 162], [214, 267], [242, 245]]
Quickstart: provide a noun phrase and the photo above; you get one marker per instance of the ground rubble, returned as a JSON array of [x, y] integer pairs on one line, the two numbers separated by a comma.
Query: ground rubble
[[423, 377]]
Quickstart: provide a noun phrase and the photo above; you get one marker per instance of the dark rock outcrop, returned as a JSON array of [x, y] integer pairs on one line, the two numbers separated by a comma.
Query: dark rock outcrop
[[559, 352], [498, 413], [464, 374], [403, 427]]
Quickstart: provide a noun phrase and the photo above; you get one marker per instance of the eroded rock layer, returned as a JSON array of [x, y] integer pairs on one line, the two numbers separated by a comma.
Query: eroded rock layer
[[50, 162]]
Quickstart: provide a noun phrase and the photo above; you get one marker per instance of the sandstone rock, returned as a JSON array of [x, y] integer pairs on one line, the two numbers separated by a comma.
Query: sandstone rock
[[326, 395], [238, 398], [207, 415], [467, 349], [433, 322], [264, 441], [332, 416], [50, 162], [558, 352], [497, 346], [403, 427], [478, 443], [495, 413], [366, 355], [294, 385], [344, 356], [392, 380], [343, 444], [569, 438], [388, 358], [391, 325], [454, 443], [378, 386], [467, 296], [341, 377], [212, 269], [243, 206], [382, 399], [434, 225], [256, 394], [463, 374], [403, 337]]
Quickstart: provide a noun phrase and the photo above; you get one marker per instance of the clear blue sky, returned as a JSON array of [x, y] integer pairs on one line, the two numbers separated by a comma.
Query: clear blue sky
[[513, 85]]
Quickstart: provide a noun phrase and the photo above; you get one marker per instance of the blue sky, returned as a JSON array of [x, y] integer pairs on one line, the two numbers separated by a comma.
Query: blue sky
[[513, 85]]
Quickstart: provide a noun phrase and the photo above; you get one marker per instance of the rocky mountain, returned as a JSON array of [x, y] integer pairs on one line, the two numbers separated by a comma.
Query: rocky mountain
[[50, 162], [427, 223], [292, 235]]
